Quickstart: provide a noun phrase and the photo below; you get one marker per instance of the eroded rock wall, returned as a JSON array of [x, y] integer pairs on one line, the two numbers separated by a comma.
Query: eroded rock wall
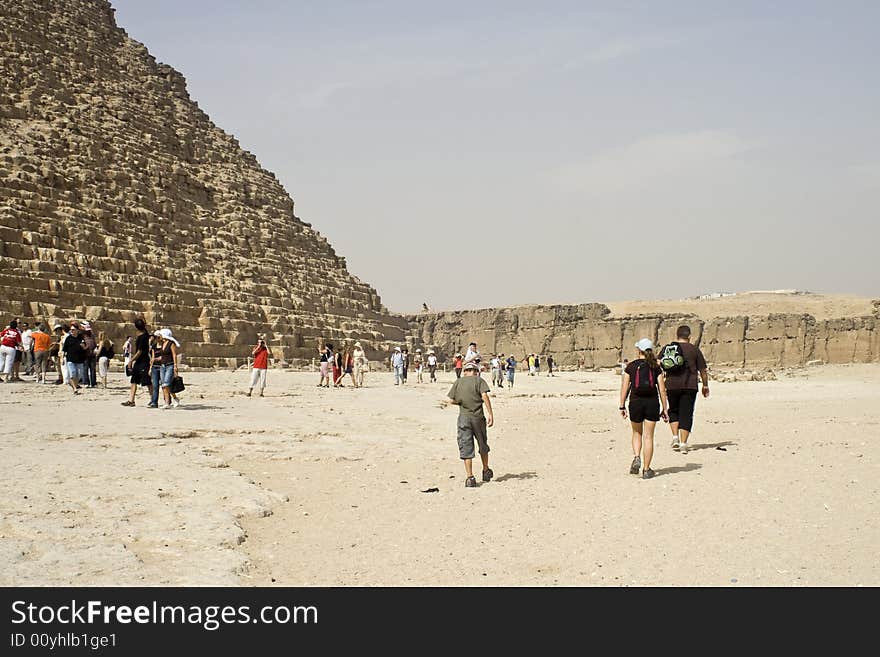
[[586, 335], [119, 196]]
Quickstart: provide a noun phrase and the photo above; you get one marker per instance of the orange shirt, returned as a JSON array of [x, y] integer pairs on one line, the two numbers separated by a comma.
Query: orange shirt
[[41, 341]]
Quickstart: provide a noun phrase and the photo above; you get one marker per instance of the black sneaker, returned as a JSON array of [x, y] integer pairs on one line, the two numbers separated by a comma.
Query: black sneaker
[[470, 482], [488, 474], [636, 465], [648, 473]]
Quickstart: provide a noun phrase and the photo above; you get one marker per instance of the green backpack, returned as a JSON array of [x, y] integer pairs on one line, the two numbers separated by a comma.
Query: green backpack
[[672, 358]]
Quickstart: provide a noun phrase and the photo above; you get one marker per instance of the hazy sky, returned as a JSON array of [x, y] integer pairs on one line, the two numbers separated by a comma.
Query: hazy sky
[[473, 154]]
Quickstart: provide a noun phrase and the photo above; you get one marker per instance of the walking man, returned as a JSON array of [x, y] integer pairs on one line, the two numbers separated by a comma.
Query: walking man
[[397, 366], [681, 386]]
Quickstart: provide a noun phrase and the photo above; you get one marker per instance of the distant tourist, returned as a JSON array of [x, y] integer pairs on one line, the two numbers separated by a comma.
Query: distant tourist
[[472, 354], [326, 358], [60, 331], [126, 353], [27, 348], [405, 353], [10, 344], [418, 365], [91, 364], [432, 366], [360, 364], [105, 354], [643, 381], [681, 383], [168, 350], [348, 366], [511, 370], [537, 364], [155, 370], [397, 365], [471, 393], [261, 355], [140, 361], [338, 371], [623, 363], [76, 356], [530, 361], [42, 345], [550, 364], [457, 364]]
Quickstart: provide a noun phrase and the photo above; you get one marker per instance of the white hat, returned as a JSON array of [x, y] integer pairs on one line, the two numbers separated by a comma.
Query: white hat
[[166, 333], [472, 365], [357, 344], [396, 348], [644, 345]]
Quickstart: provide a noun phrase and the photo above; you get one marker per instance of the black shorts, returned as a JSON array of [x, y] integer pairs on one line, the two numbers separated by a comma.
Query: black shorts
[[140, 374], [681, 407], [644, 408]]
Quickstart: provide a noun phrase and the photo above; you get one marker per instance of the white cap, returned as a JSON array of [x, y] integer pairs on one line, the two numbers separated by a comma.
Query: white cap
[[644, 345]]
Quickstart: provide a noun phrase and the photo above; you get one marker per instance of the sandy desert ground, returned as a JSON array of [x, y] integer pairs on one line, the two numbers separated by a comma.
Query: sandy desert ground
[[311, 486]]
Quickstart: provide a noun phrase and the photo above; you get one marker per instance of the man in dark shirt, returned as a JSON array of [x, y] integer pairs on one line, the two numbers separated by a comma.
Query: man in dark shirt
[[470, 393], [76, 355], [681, 389]]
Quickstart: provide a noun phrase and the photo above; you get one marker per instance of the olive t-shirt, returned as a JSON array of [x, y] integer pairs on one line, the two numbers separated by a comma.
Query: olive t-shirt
[[468, 392], [688, 377]]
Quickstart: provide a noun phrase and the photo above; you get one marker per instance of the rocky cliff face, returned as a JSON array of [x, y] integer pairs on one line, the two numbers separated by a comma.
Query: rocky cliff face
[[586, 335], [119, 196]]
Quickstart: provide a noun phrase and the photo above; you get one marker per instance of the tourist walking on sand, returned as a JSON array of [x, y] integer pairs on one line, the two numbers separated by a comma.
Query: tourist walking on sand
[[472, 354], [537, 364], [167, 351], [60, 331], [338, 371], [457, 364], [326, 362], [261, 355], [10, 343], [91, 364], [105, 354], [681, 384], [27, 348], [360, 364], [432, 366], [76, 356], [471, 393], [140, 361], [643, 381], [494, 369], [155, 370], [126, 353], [531, 363], [550, 364], [42, 345], [405, 363], [397, 365], [417, 364], [511, 370], [348, 366]]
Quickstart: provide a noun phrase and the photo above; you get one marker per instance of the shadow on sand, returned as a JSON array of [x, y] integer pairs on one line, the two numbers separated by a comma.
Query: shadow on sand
[[521, 475], [725, 443], [678, 468], [197, 407]]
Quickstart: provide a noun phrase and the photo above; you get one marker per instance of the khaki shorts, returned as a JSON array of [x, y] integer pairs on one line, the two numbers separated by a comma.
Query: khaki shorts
[[470, 428]]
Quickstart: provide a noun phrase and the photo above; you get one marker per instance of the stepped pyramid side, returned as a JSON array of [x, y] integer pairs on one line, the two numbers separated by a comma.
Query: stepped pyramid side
[[119, 196]]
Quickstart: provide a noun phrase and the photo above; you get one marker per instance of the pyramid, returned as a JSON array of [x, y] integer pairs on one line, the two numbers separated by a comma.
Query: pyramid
[[119, 197]]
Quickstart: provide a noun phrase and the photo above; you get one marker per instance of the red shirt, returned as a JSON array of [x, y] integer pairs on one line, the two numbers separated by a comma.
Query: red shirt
[[261, 359], [10, 337], [456, 363]]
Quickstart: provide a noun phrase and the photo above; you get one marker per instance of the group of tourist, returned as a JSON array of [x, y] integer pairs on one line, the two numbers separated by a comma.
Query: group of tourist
[[335, 365], [400, 362], [152, 361], [71, 351]]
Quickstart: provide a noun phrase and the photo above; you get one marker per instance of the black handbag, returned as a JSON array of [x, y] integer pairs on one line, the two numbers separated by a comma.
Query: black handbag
[[177, 385]]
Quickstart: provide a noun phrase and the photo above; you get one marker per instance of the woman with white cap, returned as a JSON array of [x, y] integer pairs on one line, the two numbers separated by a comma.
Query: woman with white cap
[[645, 383], [166, 355]]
